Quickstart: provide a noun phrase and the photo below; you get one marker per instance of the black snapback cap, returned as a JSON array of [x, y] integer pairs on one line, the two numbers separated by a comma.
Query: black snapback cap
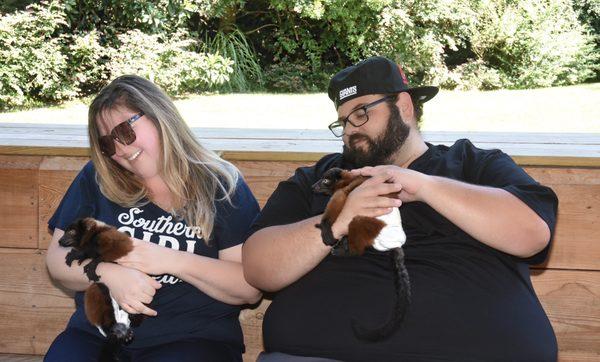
[[375, 75]]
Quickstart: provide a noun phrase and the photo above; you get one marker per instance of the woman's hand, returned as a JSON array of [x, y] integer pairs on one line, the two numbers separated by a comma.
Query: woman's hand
[[149, 258], [131, 288], [412, 184]]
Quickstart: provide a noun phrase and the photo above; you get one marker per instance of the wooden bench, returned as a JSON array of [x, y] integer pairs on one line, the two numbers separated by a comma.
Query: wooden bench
[[37, 164]]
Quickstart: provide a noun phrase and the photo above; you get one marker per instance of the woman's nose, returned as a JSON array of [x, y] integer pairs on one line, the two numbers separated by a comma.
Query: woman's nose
[[120, 149]]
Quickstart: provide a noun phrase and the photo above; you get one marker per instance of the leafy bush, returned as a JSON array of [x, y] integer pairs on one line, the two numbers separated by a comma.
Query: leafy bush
[[169, 63], [87, 60], [247, 72], [32, 63], [534, 43], [473, 75], [295, 78]]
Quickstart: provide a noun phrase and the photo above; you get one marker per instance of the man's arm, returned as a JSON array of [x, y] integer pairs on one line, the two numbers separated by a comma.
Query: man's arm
[[491, 215], [277, 256]]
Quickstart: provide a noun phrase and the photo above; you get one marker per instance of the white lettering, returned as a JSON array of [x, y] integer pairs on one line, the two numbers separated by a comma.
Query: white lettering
[[347, 92], [190, 245], [163, 239]]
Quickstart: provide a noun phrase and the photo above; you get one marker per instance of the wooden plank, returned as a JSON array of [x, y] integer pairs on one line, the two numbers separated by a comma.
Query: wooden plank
[[18, 202], [528, 148], [317, 145], [20, 358], [571, 300], [32, 310], [263, 177], [565, 176], [576, 243], [251, 320], [56, 175], [42, 131]]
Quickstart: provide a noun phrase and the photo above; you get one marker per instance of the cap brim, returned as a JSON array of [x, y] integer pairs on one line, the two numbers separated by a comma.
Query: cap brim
[[422, 94]]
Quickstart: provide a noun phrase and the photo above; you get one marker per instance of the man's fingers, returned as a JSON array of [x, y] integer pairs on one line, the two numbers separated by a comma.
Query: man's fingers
[[375, 212], [379, 202], [377, 179]]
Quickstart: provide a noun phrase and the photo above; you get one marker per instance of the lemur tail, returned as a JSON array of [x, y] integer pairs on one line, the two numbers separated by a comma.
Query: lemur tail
[[402, 285], [110, 350]]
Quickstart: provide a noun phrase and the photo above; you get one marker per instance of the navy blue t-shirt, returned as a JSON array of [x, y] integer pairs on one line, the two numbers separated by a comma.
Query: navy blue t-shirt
[[470, 302], [184, 311]]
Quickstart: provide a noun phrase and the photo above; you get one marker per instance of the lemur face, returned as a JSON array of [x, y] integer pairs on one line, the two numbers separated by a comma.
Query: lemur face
[[327, 183], [74, 234]]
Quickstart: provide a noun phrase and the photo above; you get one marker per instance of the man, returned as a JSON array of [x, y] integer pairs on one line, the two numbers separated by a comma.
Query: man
[[474, 222]]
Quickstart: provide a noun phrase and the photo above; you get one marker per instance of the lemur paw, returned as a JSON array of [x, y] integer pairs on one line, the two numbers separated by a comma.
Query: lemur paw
[[90, 271]]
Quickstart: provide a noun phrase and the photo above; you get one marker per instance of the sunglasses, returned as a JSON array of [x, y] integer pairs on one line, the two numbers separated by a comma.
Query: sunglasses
[[123, 133]]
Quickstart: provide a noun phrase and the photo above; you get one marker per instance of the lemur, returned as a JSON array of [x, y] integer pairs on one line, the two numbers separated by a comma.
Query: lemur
[[95, 240], [364, 232]]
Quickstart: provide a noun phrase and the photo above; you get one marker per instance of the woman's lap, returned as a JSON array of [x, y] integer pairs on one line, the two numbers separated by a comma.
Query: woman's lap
[[79, 346]]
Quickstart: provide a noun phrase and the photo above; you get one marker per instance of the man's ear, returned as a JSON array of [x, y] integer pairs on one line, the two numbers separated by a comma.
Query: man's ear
[[407, 112]]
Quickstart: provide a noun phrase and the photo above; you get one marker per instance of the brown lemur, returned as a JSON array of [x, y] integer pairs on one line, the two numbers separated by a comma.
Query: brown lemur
[[382, 233]]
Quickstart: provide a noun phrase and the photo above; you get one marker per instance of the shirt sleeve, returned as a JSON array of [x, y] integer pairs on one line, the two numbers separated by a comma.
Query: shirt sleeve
[[497, 169], [78, 201], [289, 203], [234, 219]]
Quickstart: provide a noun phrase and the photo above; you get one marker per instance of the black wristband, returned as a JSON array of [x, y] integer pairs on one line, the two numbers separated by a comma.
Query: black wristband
[[341, 247]]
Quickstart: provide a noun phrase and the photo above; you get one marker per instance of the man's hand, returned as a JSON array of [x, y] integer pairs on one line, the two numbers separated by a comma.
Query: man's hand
[[412, 184], [367, 200]]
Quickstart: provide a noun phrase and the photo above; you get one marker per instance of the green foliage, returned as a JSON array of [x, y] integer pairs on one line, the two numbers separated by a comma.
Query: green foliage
[[32, 62], [7, 6], [169, 63], [59, 49], [473, 75], [247, 72], [534, 43], [295, 78], [113, 17], [589, 15], [87, 60]]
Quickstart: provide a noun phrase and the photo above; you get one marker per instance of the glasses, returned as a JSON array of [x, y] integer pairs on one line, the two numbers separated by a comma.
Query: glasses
[[357, 118], [123, 133]]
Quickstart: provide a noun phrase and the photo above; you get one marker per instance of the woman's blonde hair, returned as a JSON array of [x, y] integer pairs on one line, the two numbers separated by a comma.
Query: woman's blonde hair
[[196, 176]]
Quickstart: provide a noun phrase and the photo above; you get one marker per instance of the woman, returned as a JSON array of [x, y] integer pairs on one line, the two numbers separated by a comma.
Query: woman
[[187, 212]]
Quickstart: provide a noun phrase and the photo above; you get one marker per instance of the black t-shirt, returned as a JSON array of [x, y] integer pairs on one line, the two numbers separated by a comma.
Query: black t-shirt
[[184, 311], [470, 302]]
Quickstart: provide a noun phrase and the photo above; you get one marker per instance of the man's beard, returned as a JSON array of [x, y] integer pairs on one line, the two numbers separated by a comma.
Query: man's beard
[[380, 150]]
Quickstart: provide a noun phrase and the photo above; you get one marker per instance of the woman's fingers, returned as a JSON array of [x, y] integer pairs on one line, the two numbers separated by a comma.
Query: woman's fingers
[[140, 308]]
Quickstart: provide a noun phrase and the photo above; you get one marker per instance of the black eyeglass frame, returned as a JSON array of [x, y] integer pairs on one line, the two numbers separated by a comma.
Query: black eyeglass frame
[[113, 135], [346, 120]]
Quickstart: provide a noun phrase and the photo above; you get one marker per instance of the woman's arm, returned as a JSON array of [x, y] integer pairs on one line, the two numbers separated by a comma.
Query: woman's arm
[[222, 279], [72, 277], [130, 288]]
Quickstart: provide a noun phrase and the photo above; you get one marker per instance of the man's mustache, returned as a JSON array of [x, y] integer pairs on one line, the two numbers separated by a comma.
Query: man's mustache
[[355, 138]]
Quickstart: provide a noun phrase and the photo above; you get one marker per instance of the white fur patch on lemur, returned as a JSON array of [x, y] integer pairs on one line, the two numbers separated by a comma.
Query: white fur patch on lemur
[[392, 235], [120, 315]]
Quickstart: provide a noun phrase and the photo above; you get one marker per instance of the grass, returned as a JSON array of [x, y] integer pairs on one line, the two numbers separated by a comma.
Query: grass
[[558, 109]]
